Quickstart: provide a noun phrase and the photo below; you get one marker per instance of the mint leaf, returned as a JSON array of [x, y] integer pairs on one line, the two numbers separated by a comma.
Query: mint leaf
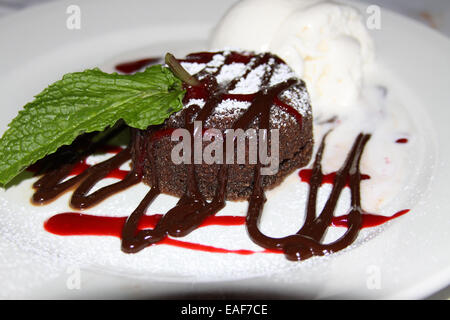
[[84, 102]]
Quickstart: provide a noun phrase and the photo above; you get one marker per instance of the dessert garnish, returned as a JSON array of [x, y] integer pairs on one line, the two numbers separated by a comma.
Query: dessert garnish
[[85, 102]]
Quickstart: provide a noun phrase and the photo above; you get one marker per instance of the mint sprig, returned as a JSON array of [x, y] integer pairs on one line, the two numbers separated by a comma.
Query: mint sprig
[[85, 102]]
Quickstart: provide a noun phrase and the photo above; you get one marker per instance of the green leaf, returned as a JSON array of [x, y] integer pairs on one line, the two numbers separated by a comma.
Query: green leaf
[[84, 102]]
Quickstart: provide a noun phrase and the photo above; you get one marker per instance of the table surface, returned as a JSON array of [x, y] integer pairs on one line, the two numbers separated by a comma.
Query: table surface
[[434, 13]]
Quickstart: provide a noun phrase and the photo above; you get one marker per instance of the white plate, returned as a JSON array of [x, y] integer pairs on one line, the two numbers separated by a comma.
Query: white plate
[[408, 258]]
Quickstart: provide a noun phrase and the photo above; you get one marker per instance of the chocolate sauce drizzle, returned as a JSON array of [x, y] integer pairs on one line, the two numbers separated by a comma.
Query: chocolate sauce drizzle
[[192, 208], [54, 182], [306, 242]]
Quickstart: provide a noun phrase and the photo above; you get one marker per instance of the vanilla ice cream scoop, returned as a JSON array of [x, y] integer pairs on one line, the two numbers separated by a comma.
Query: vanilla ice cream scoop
[[326, 43]]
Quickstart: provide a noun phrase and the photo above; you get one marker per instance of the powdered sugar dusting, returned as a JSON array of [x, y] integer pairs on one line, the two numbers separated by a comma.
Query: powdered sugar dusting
[[198, 102], [281, 73], [251, 83], [230, 106], [217, 61], [193, 67], [298, 98], [230, 71]]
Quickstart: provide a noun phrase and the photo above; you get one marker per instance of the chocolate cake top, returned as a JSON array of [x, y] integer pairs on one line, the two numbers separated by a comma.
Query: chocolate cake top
[[247, 71]]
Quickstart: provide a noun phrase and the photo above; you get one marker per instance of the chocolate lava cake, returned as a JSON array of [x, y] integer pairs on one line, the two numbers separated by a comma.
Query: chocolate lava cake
[[229, 83]]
